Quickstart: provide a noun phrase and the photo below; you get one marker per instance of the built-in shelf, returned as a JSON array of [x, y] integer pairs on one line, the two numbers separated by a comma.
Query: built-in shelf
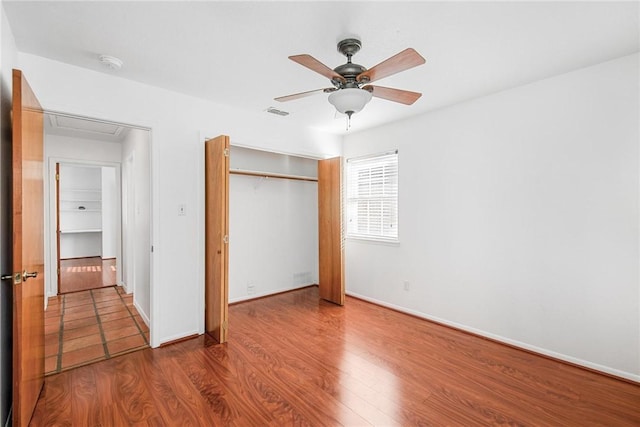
[[80, 210], [96, 230]]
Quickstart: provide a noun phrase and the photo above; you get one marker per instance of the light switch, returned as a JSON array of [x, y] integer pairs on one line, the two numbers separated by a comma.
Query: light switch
[[182, 210]]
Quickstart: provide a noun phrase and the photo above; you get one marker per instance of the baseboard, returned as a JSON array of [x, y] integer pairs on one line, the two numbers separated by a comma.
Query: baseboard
[[177, 338], [573, 361], [189, 337], [79, 257], [108, 258], [248, 298], [145, 317]]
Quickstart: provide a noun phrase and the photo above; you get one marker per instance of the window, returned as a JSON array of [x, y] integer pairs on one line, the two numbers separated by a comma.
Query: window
[[372, 197]]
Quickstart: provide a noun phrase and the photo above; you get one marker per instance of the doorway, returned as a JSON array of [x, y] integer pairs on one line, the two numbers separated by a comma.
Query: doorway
[[294, 242], [87, 222], [94, 311]]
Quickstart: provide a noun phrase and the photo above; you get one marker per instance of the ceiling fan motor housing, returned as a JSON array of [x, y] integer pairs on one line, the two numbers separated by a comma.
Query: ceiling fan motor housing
[[349, 71]]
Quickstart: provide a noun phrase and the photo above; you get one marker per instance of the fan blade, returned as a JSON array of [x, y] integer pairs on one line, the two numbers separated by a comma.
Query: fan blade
[[313, 64], [404, 60], [304, 94], [402, 96]]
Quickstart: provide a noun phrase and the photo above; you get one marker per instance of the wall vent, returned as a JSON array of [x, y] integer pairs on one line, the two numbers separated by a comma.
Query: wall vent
[[277, 112], [69, 123]]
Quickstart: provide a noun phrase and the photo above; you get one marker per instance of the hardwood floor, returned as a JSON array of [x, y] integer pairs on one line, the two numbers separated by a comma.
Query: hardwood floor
[[89, 326], [80, 274], [292, 360]]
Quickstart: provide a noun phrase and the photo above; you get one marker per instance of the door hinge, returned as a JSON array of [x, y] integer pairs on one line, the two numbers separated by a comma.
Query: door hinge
[[57, 177], [225, 324], [58, 272], [225, 239], [226, 152]]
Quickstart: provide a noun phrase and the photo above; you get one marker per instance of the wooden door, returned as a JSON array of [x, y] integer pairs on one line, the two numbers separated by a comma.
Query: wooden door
[[331, 264], [58, 225], [28, 250], [217, 237]]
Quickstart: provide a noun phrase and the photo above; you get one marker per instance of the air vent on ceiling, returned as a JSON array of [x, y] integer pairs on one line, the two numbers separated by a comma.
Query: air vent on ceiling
[[277, 112], [84, 125]]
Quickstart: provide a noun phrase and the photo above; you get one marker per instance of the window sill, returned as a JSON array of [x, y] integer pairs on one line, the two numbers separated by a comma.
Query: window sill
[[373, 241]]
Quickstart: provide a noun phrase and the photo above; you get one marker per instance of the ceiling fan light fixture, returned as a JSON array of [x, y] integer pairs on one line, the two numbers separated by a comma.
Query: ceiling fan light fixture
[[350, 100]]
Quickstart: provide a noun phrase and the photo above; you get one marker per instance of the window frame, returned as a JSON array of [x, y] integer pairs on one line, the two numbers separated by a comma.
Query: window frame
[[348, 198]]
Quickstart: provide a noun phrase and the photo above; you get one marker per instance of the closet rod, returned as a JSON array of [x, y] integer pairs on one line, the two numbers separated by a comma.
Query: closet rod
[[272, 175]]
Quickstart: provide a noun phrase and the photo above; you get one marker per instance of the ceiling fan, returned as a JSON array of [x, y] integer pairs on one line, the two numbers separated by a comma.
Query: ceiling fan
[[351, 90]]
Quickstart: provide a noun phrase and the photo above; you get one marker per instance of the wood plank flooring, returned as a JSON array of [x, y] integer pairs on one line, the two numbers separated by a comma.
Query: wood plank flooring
[[294, 360], [80, 274], [88, 326]]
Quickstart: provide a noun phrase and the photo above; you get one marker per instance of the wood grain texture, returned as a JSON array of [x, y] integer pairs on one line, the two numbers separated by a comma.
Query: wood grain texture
[[331, 256], [356, 365], [313, 64], [58, 224], [397, 95], [81, 274], [402, 61], [303, 94], [216, 228], [28, 249]]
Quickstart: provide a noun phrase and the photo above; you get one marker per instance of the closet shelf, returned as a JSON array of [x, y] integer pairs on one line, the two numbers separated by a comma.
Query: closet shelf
[[92, 230], [272, 175]]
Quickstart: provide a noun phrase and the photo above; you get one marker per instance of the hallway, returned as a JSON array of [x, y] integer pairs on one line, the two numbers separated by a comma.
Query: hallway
[[89, 326]]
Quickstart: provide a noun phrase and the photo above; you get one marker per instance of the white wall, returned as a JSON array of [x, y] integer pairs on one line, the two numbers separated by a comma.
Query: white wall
[[8, 60], [78, 151], [178, 125], [110, 212], [273, 225], [519, 217], [138, 258], [82, 149]]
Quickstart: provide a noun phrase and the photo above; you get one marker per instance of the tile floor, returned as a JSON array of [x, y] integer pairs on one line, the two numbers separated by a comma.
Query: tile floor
[[89, 326]]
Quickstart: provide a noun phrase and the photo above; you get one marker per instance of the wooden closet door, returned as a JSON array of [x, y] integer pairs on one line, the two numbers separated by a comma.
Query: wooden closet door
[[217, 237], [331, 264]]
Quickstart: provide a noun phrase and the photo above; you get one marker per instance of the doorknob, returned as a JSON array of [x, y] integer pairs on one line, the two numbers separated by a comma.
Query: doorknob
[[26, 275], [17, 278]]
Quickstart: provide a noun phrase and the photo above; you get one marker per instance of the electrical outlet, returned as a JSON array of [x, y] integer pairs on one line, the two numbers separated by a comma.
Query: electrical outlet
[[407, 285], [182, 210], [251, 289]]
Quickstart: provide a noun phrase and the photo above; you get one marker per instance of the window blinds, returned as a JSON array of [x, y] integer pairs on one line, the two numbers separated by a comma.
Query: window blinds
[[372, 197]]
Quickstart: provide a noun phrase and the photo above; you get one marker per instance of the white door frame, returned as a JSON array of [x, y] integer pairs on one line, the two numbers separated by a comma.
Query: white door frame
[[128, 224], [51, 252], [154, 205]]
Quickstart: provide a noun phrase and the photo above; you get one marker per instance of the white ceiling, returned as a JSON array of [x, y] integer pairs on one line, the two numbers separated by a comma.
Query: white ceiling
[[235, 53]]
